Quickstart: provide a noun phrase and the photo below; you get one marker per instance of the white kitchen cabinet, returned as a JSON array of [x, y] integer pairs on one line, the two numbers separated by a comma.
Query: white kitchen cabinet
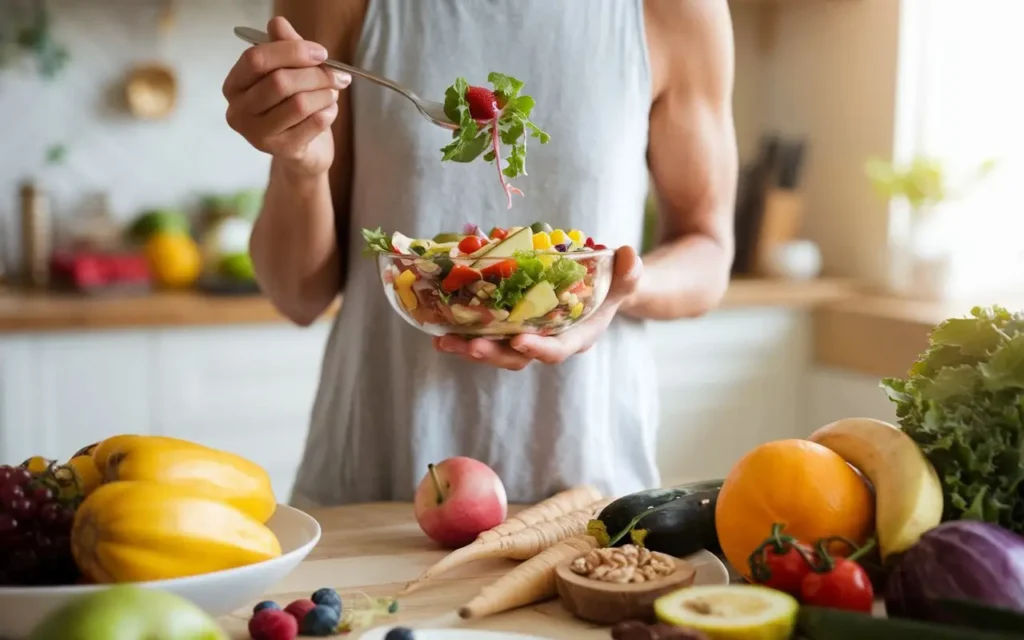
[[835, 394], [243, 389], [729, 381]]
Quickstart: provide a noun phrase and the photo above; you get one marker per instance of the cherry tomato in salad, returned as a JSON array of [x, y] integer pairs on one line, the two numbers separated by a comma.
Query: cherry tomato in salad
[[502, 269], [497, 233], [844, 585], [469, 244], [781, 562], [458, 277]]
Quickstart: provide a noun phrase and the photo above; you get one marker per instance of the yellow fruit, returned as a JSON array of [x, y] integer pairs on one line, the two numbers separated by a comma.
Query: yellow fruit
[[577, 237], [137, 531], [802, 485], [908, 493], [86, 476], [174, 259], [38, 465], [541, 241], [730, 612], [559, 237], [217, 474]]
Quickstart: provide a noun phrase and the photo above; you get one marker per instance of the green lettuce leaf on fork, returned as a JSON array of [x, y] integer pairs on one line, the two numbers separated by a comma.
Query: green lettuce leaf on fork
[[963, 404]]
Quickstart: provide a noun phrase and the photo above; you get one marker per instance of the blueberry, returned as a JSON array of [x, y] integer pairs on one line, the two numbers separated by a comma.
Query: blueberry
[[320, 621], [399, 633], [327, 597], [266, 604]]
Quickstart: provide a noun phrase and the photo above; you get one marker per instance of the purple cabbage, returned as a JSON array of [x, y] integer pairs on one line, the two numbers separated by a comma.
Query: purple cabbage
[[959, 560]]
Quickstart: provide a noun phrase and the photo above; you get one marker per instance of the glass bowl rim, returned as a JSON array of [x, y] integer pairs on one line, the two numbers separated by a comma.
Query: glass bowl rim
[[537, 252]]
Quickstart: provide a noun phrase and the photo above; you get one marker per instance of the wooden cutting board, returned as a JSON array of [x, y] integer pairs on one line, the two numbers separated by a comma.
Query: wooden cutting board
[[377, 548]]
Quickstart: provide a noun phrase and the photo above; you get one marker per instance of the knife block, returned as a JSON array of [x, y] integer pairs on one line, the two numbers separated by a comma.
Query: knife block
[[781, 220]]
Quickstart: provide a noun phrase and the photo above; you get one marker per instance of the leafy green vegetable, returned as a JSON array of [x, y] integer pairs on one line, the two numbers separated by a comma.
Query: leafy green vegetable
[[562, 274], [472, 138], [963, 404], [377, 241]]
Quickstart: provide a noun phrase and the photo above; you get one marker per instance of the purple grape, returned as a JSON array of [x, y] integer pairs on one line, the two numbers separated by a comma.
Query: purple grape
[[562, 247]]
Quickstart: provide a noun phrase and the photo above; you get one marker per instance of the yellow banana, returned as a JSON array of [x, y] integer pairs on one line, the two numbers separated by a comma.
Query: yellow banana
[[908, 493]]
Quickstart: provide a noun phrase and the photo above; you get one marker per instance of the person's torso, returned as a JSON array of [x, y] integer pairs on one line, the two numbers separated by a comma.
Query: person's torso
[[388, 403]]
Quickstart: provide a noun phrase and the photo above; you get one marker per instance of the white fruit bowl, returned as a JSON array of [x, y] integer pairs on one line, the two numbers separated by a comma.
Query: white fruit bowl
[[218, 593]]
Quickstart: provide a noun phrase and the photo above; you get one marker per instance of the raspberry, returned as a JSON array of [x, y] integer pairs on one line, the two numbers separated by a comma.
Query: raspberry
[[273, 624], [299, 608]]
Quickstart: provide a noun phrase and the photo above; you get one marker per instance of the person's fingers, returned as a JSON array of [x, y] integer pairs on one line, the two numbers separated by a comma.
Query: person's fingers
[[277, 86], [263, 59], [483, 351], [296, 109], [293, 141], [278, 28]]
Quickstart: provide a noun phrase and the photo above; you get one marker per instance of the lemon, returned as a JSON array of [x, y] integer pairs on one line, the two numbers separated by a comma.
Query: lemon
[[174, 259], [730, 612]]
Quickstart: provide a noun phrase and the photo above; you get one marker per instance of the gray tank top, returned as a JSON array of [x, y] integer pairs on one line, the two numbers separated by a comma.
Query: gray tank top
[[388, 404]]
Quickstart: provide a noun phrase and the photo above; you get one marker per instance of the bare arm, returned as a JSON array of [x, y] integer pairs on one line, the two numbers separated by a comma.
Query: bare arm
[[693, 159], [294, 243]]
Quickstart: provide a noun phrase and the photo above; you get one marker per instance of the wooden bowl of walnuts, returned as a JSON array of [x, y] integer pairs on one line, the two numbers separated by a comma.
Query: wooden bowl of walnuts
[[612, 584]]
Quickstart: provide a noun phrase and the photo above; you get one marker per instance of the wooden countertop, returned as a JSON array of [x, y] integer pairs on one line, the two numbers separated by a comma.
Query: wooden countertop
[[32, 312], [377, 548], [882, 336]]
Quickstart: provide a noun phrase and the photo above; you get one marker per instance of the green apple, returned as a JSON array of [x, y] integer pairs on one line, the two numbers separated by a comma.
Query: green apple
[[129, 613]]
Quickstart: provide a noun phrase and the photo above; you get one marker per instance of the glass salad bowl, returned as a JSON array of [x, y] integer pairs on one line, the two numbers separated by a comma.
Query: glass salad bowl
[[496, 286]]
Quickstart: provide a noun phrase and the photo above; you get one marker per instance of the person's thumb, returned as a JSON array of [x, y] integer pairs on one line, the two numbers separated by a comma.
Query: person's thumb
[[626, 273], [280, 29]]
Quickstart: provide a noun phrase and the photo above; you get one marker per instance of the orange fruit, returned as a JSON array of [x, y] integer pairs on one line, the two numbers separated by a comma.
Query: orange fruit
[[800, 484]]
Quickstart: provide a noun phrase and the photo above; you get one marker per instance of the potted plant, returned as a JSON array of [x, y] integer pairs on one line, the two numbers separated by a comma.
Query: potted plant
[[920, 252]]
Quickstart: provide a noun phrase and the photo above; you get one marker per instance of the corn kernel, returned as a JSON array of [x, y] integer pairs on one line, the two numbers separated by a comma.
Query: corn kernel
[[408, 298], [559, 237], [405, 279], [577, 237], [541, 241], [576, 311]]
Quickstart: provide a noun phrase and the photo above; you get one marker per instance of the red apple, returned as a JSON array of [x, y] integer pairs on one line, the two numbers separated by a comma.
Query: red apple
[[458, 499]]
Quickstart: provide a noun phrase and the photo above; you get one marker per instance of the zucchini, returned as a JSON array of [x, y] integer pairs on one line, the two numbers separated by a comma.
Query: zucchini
[[817, 623], [685, 526]]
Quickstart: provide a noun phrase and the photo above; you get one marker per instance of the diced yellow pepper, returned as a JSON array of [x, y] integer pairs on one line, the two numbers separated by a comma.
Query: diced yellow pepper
[[576, 311], [541, 241], [405, 279], [408, 298], [559, 237], [577, 237]]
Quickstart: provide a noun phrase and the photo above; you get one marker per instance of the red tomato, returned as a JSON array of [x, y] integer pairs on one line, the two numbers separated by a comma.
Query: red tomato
[[846, 586], [497, 233], [469, 244], [783, 567], [458, 277], [502, 269]]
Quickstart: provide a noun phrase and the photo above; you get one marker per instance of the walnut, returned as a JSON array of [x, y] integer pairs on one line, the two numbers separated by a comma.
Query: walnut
[[623, 565]]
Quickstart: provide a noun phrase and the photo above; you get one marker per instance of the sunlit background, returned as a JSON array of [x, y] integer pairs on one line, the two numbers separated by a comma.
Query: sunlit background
[[111, 117]]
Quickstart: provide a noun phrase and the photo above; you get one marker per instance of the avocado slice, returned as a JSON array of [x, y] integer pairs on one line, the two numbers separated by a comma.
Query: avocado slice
[[521, 240], [538, 300]]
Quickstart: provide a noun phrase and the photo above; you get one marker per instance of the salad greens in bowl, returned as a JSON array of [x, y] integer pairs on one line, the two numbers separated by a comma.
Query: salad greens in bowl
[[496, 285]]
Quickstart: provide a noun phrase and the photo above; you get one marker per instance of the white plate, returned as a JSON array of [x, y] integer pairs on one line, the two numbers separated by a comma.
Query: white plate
[[709, 571], [217, 593]]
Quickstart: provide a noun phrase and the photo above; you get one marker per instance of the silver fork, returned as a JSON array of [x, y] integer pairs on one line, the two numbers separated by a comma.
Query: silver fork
[[430, 109]]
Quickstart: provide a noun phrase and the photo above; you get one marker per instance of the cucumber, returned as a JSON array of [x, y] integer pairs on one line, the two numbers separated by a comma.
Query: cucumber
[[684, 527], [979, 615], [816, 623]]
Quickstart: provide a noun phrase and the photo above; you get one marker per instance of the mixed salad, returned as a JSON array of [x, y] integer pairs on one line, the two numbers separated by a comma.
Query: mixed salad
[[486, 119], [519, 280]]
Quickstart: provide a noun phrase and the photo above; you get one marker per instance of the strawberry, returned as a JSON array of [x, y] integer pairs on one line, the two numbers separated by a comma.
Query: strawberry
[[483, 104]]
